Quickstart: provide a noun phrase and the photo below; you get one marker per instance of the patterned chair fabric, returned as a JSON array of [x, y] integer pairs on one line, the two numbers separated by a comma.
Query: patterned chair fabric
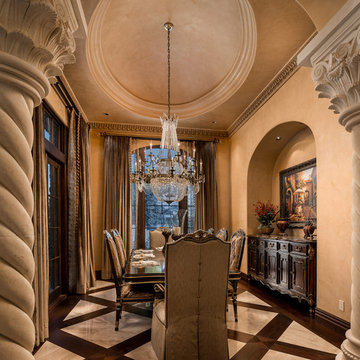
[[237, 241], [125, 293], [191, 322], [120, 247], [222, 234]]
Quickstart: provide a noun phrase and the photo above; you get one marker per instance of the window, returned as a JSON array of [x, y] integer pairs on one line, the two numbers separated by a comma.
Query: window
[[148, 213], [54, 134]]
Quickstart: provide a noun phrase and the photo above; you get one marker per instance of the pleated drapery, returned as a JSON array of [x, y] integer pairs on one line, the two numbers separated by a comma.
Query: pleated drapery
[[206, 200], [81, 249], [117, 211], [40, 220]]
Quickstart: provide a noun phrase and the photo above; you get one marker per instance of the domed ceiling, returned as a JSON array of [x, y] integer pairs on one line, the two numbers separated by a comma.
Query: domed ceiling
[[223, 54]]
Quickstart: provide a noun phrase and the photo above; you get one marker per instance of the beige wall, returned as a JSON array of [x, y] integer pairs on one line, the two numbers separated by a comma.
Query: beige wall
[[97, 147], [297, 101]]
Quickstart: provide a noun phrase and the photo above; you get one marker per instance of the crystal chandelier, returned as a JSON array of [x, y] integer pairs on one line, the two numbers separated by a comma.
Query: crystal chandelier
[[170, 177]]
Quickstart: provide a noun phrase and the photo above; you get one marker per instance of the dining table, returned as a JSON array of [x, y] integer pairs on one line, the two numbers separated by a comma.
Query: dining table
[[155, 274]]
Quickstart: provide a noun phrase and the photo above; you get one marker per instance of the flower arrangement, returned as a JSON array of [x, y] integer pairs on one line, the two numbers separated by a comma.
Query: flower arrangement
[[265, 213]]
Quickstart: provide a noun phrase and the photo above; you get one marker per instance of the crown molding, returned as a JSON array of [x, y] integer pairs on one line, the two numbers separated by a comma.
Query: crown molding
[[280, 79], [148, 130]]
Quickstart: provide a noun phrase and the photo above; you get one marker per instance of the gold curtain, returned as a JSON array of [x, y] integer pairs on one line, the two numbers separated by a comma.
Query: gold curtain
[[40, 220], [206, 203], [81, 249], [117, 211]]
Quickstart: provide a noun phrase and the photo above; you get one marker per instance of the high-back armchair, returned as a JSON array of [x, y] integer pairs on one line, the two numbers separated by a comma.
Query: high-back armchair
[[222, 234], [191, 321]]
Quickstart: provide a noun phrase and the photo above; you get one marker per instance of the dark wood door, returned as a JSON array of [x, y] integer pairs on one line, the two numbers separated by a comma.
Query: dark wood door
[[298, 272], [284, 270], [271, 266]]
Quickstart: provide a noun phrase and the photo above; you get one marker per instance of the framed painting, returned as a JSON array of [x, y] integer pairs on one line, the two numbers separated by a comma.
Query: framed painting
[[298, 194]]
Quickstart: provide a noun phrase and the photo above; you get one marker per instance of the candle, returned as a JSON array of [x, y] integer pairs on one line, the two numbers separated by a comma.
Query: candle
[[150, 145], [201, 166], [135, 166]]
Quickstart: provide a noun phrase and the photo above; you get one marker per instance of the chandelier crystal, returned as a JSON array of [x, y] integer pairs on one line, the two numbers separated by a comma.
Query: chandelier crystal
[[172, 177]]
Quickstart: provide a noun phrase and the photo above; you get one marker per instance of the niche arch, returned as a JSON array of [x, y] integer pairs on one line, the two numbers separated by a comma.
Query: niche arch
[[296, 144]]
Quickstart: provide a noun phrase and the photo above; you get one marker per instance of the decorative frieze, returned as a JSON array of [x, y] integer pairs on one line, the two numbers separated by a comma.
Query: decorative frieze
[[135, 129]]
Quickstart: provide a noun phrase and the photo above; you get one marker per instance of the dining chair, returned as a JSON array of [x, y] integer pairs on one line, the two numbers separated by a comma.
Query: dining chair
[[125, 293], [190, 323], [156, 238], [222, 234], [237, 242], [120, 247]]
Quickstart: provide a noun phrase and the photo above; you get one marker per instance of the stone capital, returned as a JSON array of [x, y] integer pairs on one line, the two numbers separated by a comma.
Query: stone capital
[[334, 55], [39, 33]]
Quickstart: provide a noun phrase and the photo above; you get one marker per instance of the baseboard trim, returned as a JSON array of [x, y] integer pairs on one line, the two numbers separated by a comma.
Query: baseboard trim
[[332, 319]]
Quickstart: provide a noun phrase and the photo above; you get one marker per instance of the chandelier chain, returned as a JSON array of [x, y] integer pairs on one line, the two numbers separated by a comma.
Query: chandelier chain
[[168, 32]]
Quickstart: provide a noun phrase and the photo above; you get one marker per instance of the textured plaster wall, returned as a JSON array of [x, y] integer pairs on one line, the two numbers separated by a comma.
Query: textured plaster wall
[[97, 147], [297, 101]]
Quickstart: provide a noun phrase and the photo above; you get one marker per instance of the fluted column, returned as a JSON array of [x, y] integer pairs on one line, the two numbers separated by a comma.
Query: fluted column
[[334, 55], [35, 42]]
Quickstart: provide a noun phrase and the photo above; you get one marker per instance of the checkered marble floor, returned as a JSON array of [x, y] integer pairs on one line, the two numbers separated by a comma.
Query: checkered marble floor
[[84, 329]]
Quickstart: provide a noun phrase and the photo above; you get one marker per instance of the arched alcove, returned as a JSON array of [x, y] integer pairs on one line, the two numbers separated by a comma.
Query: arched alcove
[[283, 146]]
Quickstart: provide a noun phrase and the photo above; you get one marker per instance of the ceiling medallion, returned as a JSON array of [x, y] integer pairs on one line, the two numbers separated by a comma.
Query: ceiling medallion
[[171, 177]]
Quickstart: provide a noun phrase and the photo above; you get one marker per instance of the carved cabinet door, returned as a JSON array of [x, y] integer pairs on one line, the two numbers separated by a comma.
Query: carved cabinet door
[[284, 270], [271, 266], [298, 273], [261, 259]]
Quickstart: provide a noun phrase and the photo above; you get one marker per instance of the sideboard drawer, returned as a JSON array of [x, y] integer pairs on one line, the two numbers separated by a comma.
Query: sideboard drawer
[[261, 243], [299, 248], [252, 242], [284, 246], [272, 245]]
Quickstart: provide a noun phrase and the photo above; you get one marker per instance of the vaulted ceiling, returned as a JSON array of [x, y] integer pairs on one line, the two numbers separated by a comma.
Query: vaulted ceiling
[[223, 54]]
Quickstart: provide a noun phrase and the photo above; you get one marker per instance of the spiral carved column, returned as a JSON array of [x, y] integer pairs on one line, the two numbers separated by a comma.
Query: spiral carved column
[[35, 42], [336, 76]]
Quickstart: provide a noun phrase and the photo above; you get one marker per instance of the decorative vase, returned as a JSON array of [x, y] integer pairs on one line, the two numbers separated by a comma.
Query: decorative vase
[[309, 229], [266, 230], [282, 225]]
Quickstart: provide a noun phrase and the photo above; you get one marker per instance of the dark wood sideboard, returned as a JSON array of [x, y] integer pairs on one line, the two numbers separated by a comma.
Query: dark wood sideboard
[[286, 264]]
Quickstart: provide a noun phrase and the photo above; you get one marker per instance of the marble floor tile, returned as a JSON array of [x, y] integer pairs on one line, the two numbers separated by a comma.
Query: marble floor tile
[[277, 355], [51, 351], [106, 294], [83, 307], [299, 335], [251, 299], [144, 352], [234, 347], [101, 284], [100, 330], [251, 321]]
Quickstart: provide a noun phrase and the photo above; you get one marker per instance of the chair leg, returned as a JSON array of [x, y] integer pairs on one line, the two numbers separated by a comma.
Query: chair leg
[[235, 308], [118, 314]]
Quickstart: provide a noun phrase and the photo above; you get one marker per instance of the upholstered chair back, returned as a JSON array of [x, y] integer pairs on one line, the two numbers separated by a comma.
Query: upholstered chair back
[[222, 234], [156, 238], [237, 242], [114, 258], [120, 247], [196, 292]]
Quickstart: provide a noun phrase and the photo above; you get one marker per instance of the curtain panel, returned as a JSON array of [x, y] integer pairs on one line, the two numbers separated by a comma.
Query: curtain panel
[[117, 210], [81, 249], [206, 203], [40, 220]]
